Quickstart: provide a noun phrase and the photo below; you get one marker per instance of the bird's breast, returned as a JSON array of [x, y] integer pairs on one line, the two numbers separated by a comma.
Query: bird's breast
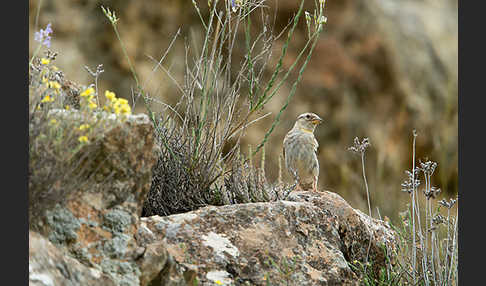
[[300, 148]]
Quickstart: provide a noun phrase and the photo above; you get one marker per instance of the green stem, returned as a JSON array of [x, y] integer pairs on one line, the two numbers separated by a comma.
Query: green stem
[[37, 15], [292, 92], [261, 100], [126, 55]]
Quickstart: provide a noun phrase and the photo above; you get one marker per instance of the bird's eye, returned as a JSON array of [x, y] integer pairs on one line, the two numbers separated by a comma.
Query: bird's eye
[[307, 116]]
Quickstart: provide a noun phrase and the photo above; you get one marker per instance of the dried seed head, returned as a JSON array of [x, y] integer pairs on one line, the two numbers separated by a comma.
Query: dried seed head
[[99, 70], [359, 147], [428, 167], [432, 193], [438, 219], [448, 204], [410, 182]]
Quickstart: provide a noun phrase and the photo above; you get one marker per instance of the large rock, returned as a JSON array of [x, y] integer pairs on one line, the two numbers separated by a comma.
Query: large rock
[[306, 241], [361, 235], [96, 224]]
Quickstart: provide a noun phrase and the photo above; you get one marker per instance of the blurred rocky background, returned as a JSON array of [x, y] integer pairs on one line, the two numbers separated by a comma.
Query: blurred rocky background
[[381, 69]]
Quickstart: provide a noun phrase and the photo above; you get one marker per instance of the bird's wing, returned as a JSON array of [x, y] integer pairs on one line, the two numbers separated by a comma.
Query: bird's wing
[[283, 149], [285, 146], [288, 160], [315, 170], [286, 142]]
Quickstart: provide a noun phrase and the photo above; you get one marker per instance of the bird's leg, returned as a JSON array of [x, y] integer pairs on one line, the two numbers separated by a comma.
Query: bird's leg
[[297, 185], [314, 184], [298, 188], [296, 180]]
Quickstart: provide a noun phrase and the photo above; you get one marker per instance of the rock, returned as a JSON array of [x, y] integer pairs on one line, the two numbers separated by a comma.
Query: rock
[[97, 223], [154, 259], [308, 240], [117, 171], [355, 228], [48, 266], [120, 165]]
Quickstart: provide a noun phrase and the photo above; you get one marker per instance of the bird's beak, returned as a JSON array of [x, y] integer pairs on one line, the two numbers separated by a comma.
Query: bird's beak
[[317, 121]]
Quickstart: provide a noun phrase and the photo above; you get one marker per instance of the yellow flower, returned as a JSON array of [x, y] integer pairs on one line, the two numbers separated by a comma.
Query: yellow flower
[[54, 84], [53, 121], [67, 107], [122, 101], [45, 61], [116, 109], [218, 282], [126, 109], [44, 80], [83, 139], [83, 127], [89, 91], [92, 105], [110, 95], [47, 98]]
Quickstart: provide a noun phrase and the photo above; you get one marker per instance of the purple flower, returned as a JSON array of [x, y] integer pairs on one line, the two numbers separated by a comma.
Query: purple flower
[[43, 36], [234, 5], [38, 36], [48, 29]]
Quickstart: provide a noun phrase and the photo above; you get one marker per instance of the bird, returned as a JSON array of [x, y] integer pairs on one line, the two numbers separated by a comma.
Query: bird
[[299, 151]]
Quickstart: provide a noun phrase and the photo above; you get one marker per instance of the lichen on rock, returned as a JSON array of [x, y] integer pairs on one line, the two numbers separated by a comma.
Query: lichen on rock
[[63, 224]]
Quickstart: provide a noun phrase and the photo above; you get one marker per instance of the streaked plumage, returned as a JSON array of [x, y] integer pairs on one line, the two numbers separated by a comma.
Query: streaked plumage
[[299, 148]]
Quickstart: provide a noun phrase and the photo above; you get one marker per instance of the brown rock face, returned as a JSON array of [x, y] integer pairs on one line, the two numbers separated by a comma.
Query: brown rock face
[[306, 241], [309, 239], [96, 224], [357, 231]]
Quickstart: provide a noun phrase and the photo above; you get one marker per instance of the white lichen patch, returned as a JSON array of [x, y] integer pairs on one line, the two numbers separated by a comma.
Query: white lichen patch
[[155, 218], [381, 232], [184, 217], [95, 272], [143, 227], [220, 276], [41, 279], [293, 204], [220, 244]]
